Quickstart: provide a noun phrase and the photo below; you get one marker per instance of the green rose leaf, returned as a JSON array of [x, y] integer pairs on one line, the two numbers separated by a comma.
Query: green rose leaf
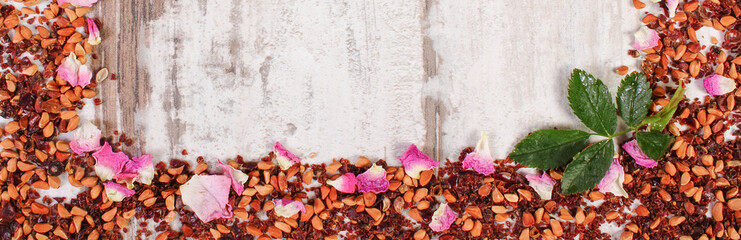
[[634, 98], [658, 121], [654, 144], [588, 167], [549, 148], [592, 103]]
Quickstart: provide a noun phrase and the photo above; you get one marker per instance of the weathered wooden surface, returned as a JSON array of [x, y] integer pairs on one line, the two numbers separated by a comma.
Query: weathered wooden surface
[[347, 78]]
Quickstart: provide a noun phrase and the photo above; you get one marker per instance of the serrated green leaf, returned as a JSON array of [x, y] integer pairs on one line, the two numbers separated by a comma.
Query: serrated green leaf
[[634, 98], [592, 103], [549, 148], [658, 121], [588, 167], [654, 144]]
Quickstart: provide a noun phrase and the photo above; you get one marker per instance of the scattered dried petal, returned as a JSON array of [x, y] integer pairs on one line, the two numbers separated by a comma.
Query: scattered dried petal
[[237, 177], [287, 207], [672, 6], [636, 153], [207, 196], [72, 71], [442, 218], [416, 161], [645, 38], [117, 192], [92, 28], [345, 183], [79, 3], [284, 158], [373, 180], [542, 184], [480, 159], [108, 163], [139, 169], [86, 139], [718, 85], [613, 180]]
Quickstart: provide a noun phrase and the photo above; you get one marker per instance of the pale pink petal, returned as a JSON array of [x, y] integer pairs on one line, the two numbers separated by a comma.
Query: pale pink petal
[[86, 139], [542, 184], [94, 33], [636, 153], [480, 159], [117, 192], [646, 38], [345, 183], [287, 208], [613, 180], [78, 3], [416, 161], [284, 158], [109, 163], [69, 68], [84, 74], [373, 180], [207, 196], [237, 177], [139, 169], [672, 6], [718, 85], [442, 218]]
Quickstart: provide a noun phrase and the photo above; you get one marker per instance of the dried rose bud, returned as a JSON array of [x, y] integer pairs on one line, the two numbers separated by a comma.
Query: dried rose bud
[[287, 208], [117, 192], [284, 158], [108, 164], [542, 184], [86, 139], [636, 153], [373, 180], [613, 180], [74, 72], [480, 159], [238, 178], [646, 38], [416, 161], [92, 28], [442, 218], [718, 85], [345, 183], [79, 3], [207, 196]]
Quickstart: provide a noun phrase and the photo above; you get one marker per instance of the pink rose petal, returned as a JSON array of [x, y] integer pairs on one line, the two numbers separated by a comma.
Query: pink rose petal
[[345, 183], [86, 139], [373, 180], [542, 184], [284, 158], [72, 71], [84, 74], [117, 192], [480, 159], [613, 180], [718, 85], [646, 38], [237, 177], [416, 161], [672, 6], [442, 218], [287, 208], [207, 196], [92, 29], [108, 163], [636, 153], [139, 169], [78, 3]]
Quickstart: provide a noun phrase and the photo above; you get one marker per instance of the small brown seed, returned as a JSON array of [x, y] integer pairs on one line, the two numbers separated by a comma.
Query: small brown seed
[[556, 228], [475, 212], [420, 235], [467, 225], [734, 204], [622, 70], [717, 212], [676, 220], [317, 223], [42, 227]]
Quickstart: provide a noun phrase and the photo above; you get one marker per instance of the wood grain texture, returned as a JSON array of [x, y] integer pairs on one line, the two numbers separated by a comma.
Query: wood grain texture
[[347, 78]]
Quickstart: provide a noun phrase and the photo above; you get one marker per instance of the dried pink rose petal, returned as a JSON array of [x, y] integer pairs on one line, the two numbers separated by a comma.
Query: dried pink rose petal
[[442, 218], [86, 139], [78, 3], [284, 158], [613, 180], [416, 161], [672, 7], [72, 71], [345, 183], [373, 180], [207, 196], [139, 169], [117, 192], [646, 38], [109, 163], [542, 184], [480, 159], [237, 177], [287, 208], [636, 153], [92, 28], [718, 85]]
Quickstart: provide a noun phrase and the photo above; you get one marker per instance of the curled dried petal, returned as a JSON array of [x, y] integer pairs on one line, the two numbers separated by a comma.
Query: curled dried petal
[[139, 169], [613, 180], [284, 158], [78, 3], [237, 177], [109, 163], [117, 192], [86, 139], [287, 207], [416, 161], [636, 153], [480, 159], [542, 184], [442, 218], [72, 71], [345, 183], [207, 196], [718, 85], [646, 38], [373, 180], [92, 28]]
